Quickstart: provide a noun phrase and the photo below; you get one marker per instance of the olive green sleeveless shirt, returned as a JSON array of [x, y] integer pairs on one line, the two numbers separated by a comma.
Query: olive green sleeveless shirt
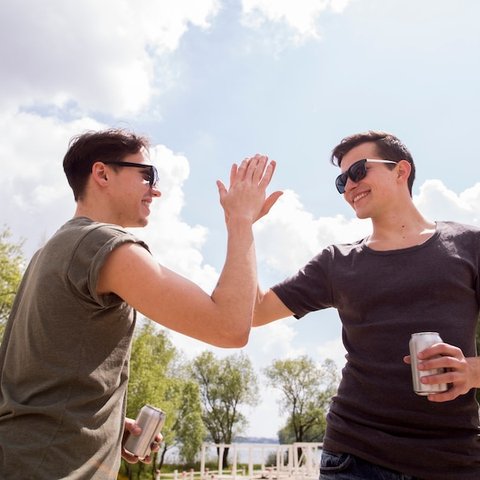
[[64, 362]]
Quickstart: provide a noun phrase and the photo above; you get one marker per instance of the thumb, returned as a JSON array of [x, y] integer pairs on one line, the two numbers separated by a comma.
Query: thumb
[[222, 190], [269, 203]]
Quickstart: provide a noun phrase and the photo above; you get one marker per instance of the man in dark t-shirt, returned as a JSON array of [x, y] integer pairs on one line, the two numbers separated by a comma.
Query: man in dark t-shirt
[[409, 275]]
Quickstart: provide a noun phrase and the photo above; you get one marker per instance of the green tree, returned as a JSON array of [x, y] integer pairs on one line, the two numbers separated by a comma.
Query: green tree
[[225, 385], [187, 421], [156, 378], [307, 391], [11, 269]]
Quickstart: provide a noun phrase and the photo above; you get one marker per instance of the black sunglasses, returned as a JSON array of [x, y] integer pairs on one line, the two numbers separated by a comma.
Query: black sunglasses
[[152, 171], [356, 172]]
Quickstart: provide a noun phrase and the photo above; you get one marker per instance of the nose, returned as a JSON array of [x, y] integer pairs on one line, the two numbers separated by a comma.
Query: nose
[[350, 184], [156, 192]]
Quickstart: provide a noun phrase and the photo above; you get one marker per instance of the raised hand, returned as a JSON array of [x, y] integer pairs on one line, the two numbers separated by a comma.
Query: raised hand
[[246, 193]]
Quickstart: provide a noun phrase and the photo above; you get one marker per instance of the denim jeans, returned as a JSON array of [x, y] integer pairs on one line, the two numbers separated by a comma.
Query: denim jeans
[[344, 466]]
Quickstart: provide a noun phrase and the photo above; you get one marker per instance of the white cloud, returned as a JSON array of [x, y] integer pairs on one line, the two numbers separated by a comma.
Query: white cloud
[[91, 56], [265, 420], [275, 340], [175, 243], [300, 17], [289, 236], [333, 350], [437, 202], [34, 194]]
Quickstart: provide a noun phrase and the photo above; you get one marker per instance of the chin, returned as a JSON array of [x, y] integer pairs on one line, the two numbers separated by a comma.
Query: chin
[[361, 215], [143, 222]]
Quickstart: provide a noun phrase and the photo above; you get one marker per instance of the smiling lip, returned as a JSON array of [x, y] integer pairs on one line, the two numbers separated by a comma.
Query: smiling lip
[[359, 196]]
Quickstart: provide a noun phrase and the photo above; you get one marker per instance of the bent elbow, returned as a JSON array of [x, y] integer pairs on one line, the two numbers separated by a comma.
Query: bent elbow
[[235, 339], [242, 340]]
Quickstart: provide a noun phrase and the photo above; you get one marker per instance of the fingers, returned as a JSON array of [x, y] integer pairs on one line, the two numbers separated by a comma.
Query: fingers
[[257, 166], [255, 170], [155, 446], [443, 349], [252, 169], [268, 173], [129, 457], [131, 427], [233, 173], [245, 196], [240, 173], [456, 370]]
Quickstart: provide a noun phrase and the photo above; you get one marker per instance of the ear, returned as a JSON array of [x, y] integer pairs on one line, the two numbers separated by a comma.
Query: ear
[[99, 174], [404, 169]]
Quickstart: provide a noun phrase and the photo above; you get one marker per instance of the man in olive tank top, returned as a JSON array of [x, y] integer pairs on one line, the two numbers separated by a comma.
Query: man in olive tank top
[[64, 356]]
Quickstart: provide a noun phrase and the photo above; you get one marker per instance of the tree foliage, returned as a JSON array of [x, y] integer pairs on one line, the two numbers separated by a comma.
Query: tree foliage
[[11, 269], [156, 379], [307, 391], [225, 385]]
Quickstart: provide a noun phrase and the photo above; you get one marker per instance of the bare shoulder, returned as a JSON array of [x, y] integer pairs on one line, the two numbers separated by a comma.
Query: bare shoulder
[[123, 266], [133, 274]]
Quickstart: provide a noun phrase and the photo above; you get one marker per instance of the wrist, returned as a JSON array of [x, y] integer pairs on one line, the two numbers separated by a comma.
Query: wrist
[[239, 220]]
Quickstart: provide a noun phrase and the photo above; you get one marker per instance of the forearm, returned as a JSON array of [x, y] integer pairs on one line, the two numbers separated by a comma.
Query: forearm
[[260, 314], [268, 308], [236, 289]]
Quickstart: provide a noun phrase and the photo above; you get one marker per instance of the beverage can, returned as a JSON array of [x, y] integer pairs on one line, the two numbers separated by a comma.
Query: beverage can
[[151, 420], [418, 342]]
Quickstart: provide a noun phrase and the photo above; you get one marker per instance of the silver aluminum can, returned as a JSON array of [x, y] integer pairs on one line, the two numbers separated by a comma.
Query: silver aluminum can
[[151, 420], [418, 342]]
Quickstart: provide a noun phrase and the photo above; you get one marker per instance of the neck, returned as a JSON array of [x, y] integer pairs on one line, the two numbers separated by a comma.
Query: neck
[[94, 212], [401, 229]]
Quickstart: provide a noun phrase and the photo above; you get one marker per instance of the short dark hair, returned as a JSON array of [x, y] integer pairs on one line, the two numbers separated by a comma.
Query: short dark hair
[[388, 146], [97, 146]]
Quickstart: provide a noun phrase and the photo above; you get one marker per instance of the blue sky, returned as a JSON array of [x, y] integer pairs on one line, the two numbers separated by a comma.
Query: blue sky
[[211, 82]]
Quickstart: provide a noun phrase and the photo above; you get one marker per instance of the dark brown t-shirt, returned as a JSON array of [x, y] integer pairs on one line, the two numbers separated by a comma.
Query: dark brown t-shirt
[[64, 362], [382, 297]]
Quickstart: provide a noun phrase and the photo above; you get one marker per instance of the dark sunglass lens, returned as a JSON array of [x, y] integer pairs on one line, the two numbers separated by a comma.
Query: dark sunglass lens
[[153, 176], [341, 181], [357, 171]]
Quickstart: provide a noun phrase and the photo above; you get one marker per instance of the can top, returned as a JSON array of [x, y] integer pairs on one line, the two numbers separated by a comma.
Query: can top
[[159, 410], [425, 333]]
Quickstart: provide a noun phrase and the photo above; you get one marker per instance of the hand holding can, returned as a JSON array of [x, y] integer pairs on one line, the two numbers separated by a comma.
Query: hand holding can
[[418, 342], [150, 420]]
